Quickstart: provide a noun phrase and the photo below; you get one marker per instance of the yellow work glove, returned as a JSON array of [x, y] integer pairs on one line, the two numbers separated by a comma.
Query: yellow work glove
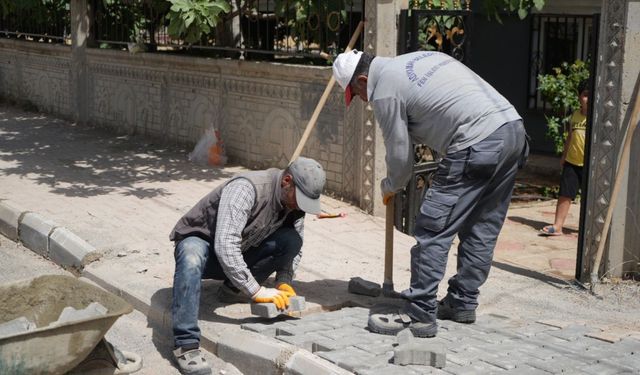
[[387, 197], [265, 295], [287, 289]]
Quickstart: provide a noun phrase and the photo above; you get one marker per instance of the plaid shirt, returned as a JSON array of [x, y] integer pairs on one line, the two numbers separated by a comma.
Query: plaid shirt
[[234, 210]]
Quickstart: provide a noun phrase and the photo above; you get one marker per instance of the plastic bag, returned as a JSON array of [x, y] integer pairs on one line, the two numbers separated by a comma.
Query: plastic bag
[[209, 150]]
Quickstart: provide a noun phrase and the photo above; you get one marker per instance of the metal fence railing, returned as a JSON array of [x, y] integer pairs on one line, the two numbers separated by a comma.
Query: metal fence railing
[[554, 39], [256, 29], [36, 20]]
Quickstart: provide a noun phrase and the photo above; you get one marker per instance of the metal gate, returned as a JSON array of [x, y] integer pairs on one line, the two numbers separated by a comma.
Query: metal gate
[[428, 30]]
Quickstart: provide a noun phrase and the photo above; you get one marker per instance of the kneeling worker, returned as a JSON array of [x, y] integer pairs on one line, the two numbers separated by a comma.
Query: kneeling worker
[[241, 232]]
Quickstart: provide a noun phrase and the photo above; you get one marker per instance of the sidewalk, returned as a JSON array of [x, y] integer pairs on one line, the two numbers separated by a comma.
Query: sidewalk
[[123, 196]]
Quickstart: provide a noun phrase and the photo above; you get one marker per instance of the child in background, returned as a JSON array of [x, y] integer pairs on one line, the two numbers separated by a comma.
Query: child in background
[[572, 162]]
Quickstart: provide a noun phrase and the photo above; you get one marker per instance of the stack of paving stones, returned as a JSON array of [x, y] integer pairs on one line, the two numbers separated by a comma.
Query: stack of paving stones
[[494, 344]]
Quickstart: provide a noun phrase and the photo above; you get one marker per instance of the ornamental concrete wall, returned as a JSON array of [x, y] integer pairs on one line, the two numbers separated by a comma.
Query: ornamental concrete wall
[[261, 109]]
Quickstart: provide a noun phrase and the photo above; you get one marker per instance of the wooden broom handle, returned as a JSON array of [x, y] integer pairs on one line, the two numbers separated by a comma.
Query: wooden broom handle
[[323, 99]]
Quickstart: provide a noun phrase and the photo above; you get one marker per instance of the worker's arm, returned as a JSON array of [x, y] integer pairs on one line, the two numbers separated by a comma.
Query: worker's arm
[[391, 116], [233, 213], [285, 276]]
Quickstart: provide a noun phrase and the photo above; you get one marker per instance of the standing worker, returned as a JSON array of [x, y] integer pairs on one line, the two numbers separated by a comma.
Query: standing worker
[[241, 232], [431, 98]]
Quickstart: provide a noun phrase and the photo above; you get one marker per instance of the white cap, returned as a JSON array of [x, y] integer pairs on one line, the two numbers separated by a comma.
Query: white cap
[[343, 68]]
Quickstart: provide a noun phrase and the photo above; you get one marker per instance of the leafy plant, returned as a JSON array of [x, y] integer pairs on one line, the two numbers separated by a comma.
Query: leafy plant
[[191, 19], [492, 7], [521, 7], [560, 89]]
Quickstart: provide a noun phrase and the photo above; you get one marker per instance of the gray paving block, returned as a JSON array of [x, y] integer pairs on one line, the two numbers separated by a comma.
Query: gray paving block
[[420, 354], [338, 334], [605, 367], [264, 329], [34, 232], [305, 363], [269, 310], [326, 344], [404, 337], [305, 342], [389, 370], [295, 330], [558, 363], [527, 370], [16, 326], [358, 285], [350, 358], [67, 249], [571, 333], [9, 220]]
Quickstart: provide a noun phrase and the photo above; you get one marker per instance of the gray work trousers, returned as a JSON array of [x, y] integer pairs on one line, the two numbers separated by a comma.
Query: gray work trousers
[[469, 196]]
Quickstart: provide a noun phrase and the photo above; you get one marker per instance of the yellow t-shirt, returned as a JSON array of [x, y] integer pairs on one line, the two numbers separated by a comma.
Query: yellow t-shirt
[[575, 150]]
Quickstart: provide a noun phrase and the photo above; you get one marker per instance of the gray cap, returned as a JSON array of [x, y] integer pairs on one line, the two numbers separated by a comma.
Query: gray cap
[[309, 178]]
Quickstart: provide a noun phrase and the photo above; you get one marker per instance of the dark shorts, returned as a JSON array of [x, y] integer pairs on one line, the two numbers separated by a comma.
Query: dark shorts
[[571, 180]]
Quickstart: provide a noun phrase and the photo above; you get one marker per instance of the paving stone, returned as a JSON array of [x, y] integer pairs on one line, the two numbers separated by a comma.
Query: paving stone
[[533, 329], [350, 358], [325, 344], [426, 370], [556, 364], [259, 328], [527, 370], [627, 345], [571, 333], [419, 354], [472, 369], [632, 361], [358, 285], [269, 310], [388, 370], [376, 348], [305, 342], [340, 333], [465, 343], [404, 337], [345, 322], [505, 362], [300, 329], [34, 231], [550, 340], [605, 367], [304, 363]]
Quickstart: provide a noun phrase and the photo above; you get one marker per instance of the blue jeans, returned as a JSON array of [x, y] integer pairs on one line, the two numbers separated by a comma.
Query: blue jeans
[[195, 261], [469, 196]]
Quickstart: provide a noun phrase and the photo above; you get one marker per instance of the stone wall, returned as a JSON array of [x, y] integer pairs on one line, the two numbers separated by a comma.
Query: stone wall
[[261, 109]]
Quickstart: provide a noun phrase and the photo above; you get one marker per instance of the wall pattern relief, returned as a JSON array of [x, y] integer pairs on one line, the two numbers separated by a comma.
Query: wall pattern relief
[[606, 134]]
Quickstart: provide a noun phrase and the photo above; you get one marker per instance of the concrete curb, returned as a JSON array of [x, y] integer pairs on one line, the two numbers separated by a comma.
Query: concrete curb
[[250, 352], [45, 237], [9, 219], [34, 231], [69, 250]]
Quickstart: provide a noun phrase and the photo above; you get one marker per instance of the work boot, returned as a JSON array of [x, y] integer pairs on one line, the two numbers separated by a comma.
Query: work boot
[[191, 362], [447, 312], [228, 295], [391, 323]]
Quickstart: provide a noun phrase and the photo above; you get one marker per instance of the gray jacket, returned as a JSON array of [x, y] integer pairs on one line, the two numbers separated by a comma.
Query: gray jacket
[[430, 98]]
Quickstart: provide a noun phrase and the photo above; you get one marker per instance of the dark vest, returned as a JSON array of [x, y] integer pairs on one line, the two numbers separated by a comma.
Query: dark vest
[[201, 219]]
